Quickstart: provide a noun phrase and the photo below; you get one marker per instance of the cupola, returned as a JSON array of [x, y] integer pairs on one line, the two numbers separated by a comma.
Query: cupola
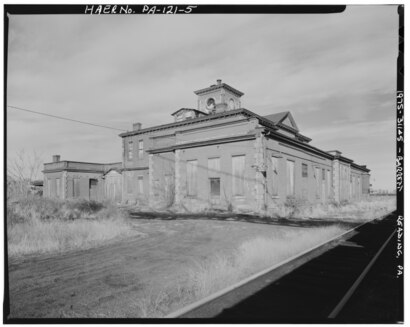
[[218, 97]]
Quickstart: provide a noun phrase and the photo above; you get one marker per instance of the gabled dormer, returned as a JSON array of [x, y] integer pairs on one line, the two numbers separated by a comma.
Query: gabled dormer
[[187, 113], [287, 126], [218, 98], [284, 120]]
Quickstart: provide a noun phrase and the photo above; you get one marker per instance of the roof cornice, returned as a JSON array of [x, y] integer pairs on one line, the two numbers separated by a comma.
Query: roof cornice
[[192, 121], [238, 138], [305, 146], [219, 86]]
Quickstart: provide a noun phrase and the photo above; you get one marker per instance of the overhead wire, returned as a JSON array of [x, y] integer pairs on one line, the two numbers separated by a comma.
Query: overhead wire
[[65, 118]]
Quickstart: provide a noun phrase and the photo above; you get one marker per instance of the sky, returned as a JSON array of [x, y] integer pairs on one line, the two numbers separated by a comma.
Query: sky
[[336, 74]]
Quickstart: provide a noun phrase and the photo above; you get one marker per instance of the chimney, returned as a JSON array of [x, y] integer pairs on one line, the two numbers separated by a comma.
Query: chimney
[[56, 158], [219, 81], [136, 126]]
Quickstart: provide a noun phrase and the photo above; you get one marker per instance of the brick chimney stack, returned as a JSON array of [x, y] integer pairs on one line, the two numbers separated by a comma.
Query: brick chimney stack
[[136, 126], [56, 158]]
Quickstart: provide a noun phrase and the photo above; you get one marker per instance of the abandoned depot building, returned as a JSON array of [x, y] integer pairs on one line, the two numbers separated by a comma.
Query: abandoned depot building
[[218, 155]]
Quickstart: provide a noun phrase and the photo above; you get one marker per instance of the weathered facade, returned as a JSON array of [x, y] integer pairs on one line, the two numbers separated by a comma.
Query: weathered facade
[[220, 155], [84, 180]]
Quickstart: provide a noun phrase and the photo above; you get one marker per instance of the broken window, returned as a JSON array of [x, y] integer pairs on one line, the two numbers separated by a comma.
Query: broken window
[[275, 176], [214, 176], [238, 171], [290, 176], [140, 149], [93, 192], [215, 186], [130, 149], [192, 177], [304, 170]]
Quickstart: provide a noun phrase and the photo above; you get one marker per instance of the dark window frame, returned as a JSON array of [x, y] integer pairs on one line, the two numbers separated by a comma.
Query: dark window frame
[[211, 189]]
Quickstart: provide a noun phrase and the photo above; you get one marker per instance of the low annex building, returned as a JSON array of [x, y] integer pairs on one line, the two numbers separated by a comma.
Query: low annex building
[[218, 155]]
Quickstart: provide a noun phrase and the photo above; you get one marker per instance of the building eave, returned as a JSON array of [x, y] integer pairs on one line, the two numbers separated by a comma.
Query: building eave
[[238, 138], [285, 139], [135, 168], [360, 167], [192, 121], [45, 171]]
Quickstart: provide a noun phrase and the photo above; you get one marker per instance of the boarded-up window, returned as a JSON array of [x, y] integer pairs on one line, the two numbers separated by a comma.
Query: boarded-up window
[[192, 177], [140, 184], [58, 187], [317, 178], [290, 178], [49, 188], [323, 174], [238, 172], [214, 167], [130, 150], [329, 184], [351, 186], [215, 186], [304, 170], [53, 188], [76, 187], [140, 149], [129, 184], [275, 176]]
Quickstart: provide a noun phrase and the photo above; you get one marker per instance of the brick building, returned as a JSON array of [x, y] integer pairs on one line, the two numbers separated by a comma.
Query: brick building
[[218, 155]]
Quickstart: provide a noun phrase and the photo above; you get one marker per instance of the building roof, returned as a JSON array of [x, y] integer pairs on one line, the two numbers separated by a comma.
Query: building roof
[[241, 111], [280, 119], [80, 166], [189, 109], [219, 86], [276, 118]]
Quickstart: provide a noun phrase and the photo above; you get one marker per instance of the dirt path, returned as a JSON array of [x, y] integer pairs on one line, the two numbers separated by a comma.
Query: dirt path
[[109, 280]]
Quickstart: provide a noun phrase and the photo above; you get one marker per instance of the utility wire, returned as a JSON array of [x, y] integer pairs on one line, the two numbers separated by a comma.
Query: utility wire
[[64, 118]]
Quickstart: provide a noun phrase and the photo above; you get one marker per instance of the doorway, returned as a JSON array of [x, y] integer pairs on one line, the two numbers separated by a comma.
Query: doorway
[[93, 189]]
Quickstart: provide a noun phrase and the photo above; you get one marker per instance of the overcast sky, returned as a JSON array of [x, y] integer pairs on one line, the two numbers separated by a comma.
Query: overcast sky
[[336, 73]]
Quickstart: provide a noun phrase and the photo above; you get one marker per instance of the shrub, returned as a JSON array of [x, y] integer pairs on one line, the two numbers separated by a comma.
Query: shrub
[[294, 205]]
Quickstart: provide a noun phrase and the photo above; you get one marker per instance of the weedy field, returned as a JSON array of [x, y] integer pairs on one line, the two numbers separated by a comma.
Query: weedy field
[[86, 259], [38, 225], [365, 209]]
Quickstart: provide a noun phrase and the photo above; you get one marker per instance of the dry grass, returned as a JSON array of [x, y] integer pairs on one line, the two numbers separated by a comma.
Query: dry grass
[[369, 208], [225, 269], [37, 225]]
